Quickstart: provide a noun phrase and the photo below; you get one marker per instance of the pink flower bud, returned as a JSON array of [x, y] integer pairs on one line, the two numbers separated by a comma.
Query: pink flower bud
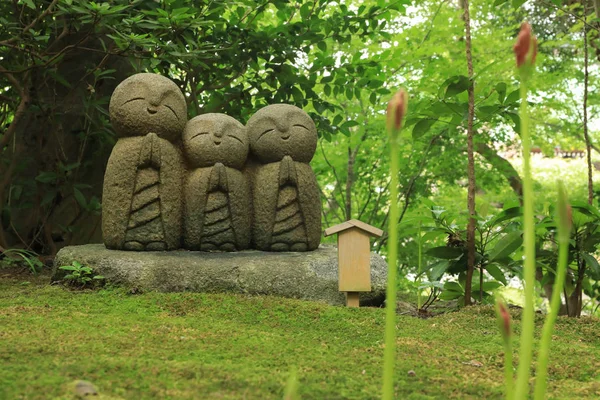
[[526, 47], [396, 110], [503, 319]]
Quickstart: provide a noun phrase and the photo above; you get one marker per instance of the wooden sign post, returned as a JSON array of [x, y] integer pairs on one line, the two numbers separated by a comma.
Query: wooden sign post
[[354, 257]]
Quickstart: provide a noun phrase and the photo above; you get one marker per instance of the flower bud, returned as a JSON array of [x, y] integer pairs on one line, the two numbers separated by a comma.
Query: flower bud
[[503, 320], [526, 47], [396, 110]]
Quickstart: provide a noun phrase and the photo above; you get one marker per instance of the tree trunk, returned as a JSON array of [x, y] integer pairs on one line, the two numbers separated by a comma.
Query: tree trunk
[[575, 301], [595, 38], [471, 159], [53, 133], [349, 182], [588, 145]]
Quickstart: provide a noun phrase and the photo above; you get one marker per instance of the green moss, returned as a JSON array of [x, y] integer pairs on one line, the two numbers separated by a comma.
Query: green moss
[[190, 346]]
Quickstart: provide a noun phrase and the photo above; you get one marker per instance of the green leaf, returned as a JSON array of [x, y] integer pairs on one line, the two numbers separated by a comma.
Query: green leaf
[[592, 263], [450, 295], [297, 94], [349, 93], [29, 3], [513, 97], [547, 278], [68, 268], [517, 121], [454, 287], [422, 127], [518, 3], [499, 2], [349, 124], [505, 215], [486, 113], [507, 245], [322, 46], [437, 269], [585, 209], [496, 272], [373, 98], [457, 85], [446, 253], [375, 84], [47, 177], [305, 10], [501, 89], [80, 198], [487, 286]]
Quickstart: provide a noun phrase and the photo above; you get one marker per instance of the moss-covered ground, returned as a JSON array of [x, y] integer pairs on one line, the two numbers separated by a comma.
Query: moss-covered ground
[[218, 346]]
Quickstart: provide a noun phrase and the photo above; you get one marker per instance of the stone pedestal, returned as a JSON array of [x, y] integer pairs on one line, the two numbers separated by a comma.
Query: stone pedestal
[[303, 275]]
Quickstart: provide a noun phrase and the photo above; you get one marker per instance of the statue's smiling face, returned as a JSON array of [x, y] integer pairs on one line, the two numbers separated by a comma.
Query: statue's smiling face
[[212, 138], [281, 130], [147, 103]]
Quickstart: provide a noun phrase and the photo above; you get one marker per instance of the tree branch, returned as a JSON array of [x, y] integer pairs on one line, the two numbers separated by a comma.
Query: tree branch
[[31, 25], [334, 174]]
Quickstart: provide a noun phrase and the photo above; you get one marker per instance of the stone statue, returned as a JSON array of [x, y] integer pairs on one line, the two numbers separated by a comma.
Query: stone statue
[[218, 212], [142, 184], [286, 199]]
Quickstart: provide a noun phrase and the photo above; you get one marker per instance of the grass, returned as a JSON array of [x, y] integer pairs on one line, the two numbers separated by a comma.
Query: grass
[[218, 346]]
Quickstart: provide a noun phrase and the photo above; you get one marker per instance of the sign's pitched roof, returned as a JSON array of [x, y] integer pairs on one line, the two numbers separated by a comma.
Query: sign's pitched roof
[[354, 223]]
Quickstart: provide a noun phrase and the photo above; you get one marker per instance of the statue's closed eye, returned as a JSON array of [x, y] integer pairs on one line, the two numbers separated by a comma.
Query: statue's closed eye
[[195, 135], [142, 98], [135, 98], [301, 126], [267, 131], [236, 138], [172, 110]]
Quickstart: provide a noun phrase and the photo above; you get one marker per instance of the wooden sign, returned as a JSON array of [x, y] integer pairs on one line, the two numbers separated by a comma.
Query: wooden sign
[[354, 257]]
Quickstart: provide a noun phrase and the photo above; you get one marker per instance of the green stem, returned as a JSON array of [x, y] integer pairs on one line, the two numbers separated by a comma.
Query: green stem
[[389, 357], [508, 369], [419, 303], [527, 324], [561, 273]]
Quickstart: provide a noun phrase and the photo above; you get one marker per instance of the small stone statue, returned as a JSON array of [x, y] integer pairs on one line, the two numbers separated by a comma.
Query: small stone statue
[[142, 184], [286, 199], [218, 211]]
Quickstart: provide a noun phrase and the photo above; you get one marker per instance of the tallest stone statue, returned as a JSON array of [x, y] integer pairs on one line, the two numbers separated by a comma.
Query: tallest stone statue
[[142, 184]]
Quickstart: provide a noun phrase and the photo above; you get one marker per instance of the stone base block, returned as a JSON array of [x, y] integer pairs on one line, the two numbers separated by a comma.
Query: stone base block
[[308, 275]]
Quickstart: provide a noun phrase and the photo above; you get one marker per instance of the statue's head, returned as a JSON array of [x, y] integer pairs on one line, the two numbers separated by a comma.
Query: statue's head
[[145, 103], [212, 138], [281, 130]]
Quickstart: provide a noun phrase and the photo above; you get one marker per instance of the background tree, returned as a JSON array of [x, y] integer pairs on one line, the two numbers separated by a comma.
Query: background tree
[[61, 60]]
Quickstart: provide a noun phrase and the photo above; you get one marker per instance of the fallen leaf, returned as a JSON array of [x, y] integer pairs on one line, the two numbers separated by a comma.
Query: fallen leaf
[[474, 363]]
